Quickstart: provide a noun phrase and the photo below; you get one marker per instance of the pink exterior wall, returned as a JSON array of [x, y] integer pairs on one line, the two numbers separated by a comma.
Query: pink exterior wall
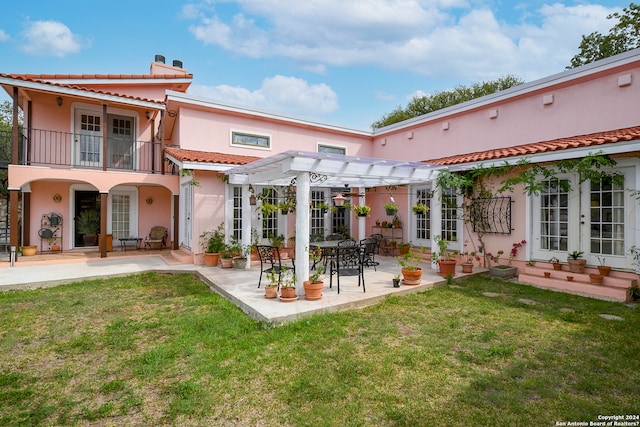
[[159, 212], [211, 131], [580, 108], [208, 205]]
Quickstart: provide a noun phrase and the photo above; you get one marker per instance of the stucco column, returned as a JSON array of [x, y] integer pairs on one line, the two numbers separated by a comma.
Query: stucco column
[[246, 223], [303, 188], [103, 223], [14, 225], [436, 221], [175, 240], [362, 220]]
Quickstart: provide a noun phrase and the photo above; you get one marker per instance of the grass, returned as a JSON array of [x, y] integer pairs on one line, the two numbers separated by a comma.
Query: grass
[[154, 349]]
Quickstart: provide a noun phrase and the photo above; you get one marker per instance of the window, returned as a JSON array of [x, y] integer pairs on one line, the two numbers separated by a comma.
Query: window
[[423, 223], [554, 215], [270, 222], [237, 213], [449, 215], [120, 216], [317, 215], [607, 218], [250, 140], [331, 149]]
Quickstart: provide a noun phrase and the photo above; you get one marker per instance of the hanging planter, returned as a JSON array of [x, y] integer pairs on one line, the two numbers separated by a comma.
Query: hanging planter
[[391, 209]]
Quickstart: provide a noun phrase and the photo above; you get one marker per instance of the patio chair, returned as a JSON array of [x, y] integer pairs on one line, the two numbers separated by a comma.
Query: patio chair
[[346, 242], [368, 246], [348, 261], [377, 237], [157, 236], [270, 260]]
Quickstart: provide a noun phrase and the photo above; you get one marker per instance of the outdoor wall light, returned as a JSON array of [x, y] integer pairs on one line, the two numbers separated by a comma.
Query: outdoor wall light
[[59, 101], [252, 198], [339, 200]]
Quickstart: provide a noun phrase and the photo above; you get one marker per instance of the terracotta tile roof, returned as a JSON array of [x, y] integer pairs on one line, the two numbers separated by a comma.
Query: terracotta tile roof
[[590, 140], [41, 79], [103, 76], [209, 157]]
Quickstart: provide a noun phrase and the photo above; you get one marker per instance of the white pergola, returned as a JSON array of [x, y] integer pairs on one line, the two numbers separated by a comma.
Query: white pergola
[[308, 169]]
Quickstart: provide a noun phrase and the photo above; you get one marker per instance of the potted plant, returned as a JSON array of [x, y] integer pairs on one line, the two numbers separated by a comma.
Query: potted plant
[[323, 206], [633, 293], [268, 208], [505, 271], [391, 208], [212, 242], [396, 281], [596, 278], [276, 240], [556, 264], [446, 263], [271, 289], [603, 268], [403, 247], [28, 250], [88, 224], [241, 257], [420, 209], [411, 271], [226, 257], [288, 286], [575, 261], [362, 210], [313, 286], [467, 264], [284, 207]]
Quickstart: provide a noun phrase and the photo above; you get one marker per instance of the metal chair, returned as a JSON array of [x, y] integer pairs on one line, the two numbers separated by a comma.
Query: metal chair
[[270, 261], [368, 246], [348, 261], [377, 237]]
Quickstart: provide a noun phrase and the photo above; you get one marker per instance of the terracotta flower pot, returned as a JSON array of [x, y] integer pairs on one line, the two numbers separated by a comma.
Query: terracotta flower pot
[[270, 291], [226, 262], [312, 291], [29, 250], [447, 267], [288, 293], [557, 266], [547, 274], [596, 279], [467, 267], [604, 270], [211, 260], [411, 277], [569, 278], [576, 265]]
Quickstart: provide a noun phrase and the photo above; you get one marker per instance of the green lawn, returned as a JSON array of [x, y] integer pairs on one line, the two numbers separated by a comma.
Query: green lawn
[[154, 349]]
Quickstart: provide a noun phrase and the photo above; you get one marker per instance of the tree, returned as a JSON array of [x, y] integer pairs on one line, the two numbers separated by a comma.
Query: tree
[[420, 105], [623, 36]]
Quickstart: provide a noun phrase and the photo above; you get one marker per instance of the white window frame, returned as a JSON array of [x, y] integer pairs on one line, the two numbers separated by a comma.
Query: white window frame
[[233, 132]]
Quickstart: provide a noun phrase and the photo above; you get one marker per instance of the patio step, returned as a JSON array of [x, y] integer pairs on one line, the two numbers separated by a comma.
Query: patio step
[[614, 287]]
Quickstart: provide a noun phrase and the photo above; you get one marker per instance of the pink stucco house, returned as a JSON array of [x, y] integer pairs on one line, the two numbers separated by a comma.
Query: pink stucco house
[[142, 151]]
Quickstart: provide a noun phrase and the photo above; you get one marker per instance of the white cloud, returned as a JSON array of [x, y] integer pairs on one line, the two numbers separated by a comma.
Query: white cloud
[[3, 36], [285, 95], [50, 38], [452, 38]]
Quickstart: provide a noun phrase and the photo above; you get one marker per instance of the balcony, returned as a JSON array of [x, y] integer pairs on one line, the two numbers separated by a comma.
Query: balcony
[[75, 150]]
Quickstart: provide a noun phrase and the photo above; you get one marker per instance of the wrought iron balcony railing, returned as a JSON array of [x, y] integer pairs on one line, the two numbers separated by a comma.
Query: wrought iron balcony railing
[[65, 149]]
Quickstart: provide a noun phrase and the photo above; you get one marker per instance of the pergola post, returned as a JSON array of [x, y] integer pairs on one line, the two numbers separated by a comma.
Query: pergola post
[[362, 220], [246, 224], [436, 221], [303, 187]]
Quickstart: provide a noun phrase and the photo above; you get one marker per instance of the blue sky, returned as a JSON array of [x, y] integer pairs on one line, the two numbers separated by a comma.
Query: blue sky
[[345, 62]]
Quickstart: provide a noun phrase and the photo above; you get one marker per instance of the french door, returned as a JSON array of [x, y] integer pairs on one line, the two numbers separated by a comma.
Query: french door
[[88, 139], [594, 218]]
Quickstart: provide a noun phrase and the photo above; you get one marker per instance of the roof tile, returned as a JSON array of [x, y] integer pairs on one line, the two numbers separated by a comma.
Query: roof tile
[[210, 157], [594, 139]]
